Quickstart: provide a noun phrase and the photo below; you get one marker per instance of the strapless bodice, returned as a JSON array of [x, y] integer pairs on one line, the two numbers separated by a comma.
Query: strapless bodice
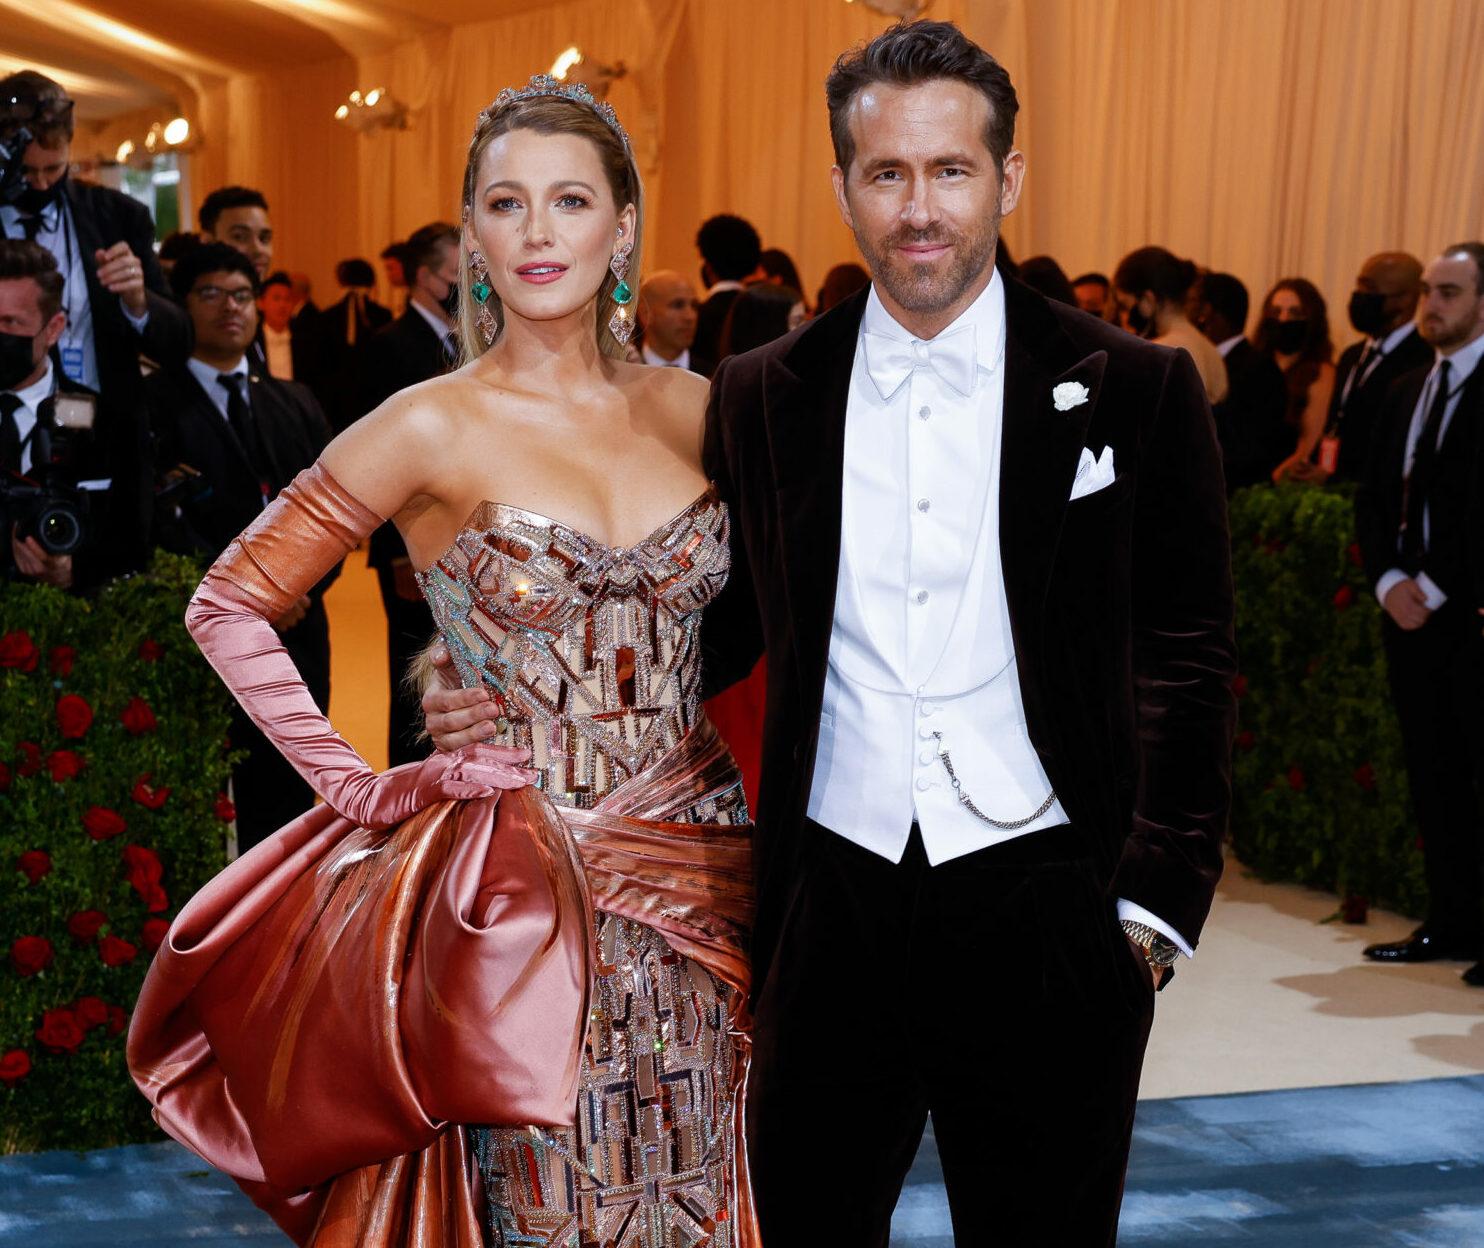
[[592, 651]]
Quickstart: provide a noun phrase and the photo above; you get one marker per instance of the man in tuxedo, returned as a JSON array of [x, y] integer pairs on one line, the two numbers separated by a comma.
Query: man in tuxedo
[[116, 303], [245, 436], [53, 430], [1249, 421], [287, 340], [238, 216], [1417, 514], [667, 323], [418, 345], [1383, 307], [343, 326], [730, 254]]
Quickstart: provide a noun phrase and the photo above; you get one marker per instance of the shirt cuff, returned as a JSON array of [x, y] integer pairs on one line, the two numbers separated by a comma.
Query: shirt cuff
[[138, 322], [1136, 913], [1435, 597], [1389, 581]]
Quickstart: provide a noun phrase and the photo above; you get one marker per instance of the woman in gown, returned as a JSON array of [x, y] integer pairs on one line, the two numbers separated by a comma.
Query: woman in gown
[[496, 997]]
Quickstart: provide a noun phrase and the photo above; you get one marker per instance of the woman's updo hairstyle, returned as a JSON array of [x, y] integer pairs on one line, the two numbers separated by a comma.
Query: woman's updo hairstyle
[[550, 114], [1157, 270]]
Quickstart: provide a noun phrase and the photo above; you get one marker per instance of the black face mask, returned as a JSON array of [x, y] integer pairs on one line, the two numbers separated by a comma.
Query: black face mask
[[32, 202], [1368, 312], [1286, 337], [16, 363]]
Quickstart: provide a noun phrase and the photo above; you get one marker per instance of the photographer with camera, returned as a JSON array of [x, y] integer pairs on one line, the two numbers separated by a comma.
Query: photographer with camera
[[73, 484], [116, 302]]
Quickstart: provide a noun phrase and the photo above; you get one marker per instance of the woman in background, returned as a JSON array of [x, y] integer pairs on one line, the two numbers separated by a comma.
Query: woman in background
[[1294, 334], [1151, 285]]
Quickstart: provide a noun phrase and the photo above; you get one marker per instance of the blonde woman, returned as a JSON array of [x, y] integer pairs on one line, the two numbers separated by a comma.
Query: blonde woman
[[499, 993]]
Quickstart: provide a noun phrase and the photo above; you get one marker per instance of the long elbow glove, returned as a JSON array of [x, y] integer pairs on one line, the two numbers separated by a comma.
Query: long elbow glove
[[313, 524]]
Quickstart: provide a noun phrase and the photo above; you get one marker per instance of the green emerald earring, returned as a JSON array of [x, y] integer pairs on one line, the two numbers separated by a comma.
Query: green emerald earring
[[621, 323]]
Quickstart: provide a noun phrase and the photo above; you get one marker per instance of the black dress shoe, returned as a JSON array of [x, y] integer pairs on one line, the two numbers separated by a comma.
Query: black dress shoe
[[1474, 976], [1422, 946]]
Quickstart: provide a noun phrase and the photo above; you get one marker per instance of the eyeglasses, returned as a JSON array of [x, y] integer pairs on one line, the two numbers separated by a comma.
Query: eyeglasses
[[213, 295]]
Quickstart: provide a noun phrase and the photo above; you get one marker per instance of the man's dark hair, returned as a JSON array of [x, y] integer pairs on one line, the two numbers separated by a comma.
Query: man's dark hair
[[225, 197], [1227, 297], [779, 265], [21, 258], [209, 258], [278, 278], [1044, 274], [910, 53], [730, 245], [757, 316], [176, 244], [1093, 279], [1157, 270], [1475, 252], [355, 272], [33, 100], [423, 247]]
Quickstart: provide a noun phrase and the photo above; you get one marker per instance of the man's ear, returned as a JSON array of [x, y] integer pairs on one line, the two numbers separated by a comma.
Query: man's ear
[[53, 329], [842, 201]]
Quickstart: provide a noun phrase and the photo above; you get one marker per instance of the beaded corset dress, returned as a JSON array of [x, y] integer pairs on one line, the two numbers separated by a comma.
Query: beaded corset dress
[[592, 653]]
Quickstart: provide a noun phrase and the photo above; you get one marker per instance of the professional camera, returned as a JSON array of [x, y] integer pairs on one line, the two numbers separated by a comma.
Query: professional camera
[[51, 504]]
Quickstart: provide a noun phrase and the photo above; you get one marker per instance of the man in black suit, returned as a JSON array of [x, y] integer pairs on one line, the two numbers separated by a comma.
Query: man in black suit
[[54, 431], [1417, 514], [981, 538], [1249, 421], [116, 302], [342, 327], [419, 344], [247, 436], [730, 254], [1383, 307], [238, 216]]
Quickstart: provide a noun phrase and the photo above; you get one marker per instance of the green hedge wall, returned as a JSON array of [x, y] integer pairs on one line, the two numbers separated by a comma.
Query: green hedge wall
[[113, 770], [1321, 790]]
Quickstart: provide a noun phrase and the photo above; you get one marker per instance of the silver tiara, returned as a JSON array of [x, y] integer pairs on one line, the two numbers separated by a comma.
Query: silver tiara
[[545, 85]]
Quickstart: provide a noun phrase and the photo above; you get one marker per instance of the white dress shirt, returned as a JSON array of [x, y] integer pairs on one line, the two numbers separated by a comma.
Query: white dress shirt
[[31, 398], [655, 360], [1461, 365], [208, 374], [442, 328], [278, 349]]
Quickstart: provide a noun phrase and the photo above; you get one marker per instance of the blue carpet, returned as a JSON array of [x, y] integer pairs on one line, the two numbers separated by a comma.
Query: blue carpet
[[1358, 1167]]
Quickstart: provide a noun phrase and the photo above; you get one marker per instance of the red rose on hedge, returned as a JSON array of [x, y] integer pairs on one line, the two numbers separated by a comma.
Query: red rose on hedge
[[115, 951], [1365, 776], [61, 659], [85, 925], [144, 871], [117, 1019], [30, 754], [90, 1012], [102, 823], [137, 718], [150, 650], [4, 777], [1246, 740], [225, 810], [1239, 687], [59, 1031], [74, 716], [34, 863], [30, 954], [1355, 556], [148, 796], [1344, 596], [14, 1067], [19, 651], [63, 764], [1296, 779], [153, 933]]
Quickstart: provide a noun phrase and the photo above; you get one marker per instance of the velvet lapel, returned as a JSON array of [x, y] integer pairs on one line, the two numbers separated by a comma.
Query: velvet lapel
[[804, 397], [1041, 448]]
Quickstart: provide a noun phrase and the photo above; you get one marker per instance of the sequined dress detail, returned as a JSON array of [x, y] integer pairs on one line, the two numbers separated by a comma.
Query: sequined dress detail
[[593, 655]]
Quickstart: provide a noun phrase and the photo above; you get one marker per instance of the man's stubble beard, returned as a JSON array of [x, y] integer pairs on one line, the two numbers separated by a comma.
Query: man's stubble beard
[[914, 286]]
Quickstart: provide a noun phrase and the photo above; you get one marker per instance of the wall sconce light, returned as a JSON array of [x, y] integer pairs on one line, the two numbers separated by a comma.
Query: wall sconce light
[[177, 135], [896, 8], [598, 79], [377, 109]]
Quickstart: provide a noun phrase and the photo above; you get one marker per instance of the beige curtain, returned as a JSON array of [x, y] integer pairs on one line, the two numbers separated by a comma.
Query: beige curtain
[[1264, 137]]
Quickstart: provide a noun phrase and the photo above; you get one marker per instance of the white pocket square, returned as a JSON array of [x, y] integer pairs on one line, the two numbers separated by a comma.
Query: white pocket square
[[1093, 473]]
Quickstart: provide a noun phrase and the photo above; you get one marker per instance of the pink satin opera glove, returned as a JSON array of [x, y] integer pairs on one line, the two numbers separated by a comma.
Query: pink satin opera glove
[[313, 524]]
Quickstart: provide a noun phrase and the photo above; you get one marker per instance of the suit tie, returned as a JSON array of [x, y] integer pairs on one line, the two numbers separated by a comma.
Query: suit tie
[[10, 433], [31, 226], [1424, 466], [240, 417], [890, 361], [450, 351]]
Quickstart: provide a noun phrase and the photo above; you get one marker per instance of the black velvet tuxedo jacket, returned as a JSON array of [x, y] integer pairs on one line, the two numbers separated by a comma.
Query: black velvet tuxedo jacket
[[1120, 602], [1356, 419], [1451, 558]]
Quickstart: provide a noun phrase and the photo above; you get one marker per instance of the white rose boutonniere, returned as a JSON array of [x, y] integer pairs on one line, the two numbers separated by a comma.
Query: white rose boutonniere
[[1068, 395]]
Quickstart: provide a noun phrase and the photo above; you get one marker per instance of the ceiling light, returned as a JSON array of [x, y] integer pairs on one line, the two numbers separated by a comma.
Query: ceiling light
[[177, 132], [126, 150], [377, 109], [563, 64]]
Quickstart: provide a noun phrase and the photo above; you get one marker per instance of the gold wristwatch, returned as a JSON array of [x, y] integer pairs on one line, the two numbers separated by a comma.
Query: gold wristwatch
[[1159, 951]]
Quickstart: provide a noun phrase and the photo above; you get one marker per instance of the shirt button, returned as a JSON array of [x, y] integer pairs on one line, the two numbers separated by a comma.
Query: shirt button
[[925, 733], [923, 504], [926, 757], [923, 784], [927, 708], [921, 597], [924, 412]]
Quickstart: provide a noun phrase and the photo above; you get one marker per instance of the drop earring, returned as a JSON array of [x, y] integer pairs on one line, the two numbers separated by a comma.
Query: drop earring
[[621, 323], [484, 319]]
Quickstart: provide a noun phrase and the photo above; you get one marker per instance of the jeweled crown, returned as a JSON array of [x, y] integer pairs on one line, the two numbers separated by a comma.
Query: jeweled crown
[[545, 85]]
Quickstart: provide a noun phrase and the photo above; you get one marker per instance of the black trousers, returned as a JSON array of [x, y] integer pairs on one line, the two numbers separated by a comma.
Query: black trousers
[[409, 627], [995, 992], [1435, 675]]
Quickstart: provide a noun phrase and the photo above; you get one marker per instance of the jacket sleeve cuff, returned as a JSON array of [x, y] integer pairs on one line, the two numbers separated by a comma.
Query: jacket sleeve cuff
[[1434, 596], [1389, 581], [1136, 913]]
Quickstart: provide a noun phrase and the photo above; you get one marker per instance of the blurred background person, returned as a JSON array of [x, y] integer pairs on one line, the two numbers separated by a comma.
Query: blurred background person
[[238, 216], [396, 270], [246, 436], [730, 251], [667, 323], [1250, 420], [779, 268], [839, 284], [1151, 285], [1383, 307], [304, 304], [1094, 294], [1042, 273], [346, 323], [757, 316], [1294, 334], [173, 246], [288, 339]]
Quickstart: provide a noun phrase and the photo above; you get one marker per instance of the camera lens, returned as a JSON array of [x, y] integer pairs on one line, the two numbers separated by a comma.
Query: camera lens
[[59, 530]]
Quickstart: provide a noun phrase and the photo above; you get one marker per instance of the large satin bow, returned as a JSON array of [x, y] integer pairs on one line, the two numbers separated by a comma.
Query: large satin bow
[[890, 361]]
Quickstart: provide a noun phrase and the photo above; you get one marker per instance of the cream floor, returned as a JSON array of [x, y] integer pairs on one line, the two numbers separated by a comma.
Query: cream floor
[[1274, 999]]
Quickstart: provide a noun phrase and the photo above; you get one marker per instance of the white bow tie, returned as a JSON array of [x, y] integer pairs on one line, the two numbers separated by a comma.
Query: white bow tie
[[890, 361]]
